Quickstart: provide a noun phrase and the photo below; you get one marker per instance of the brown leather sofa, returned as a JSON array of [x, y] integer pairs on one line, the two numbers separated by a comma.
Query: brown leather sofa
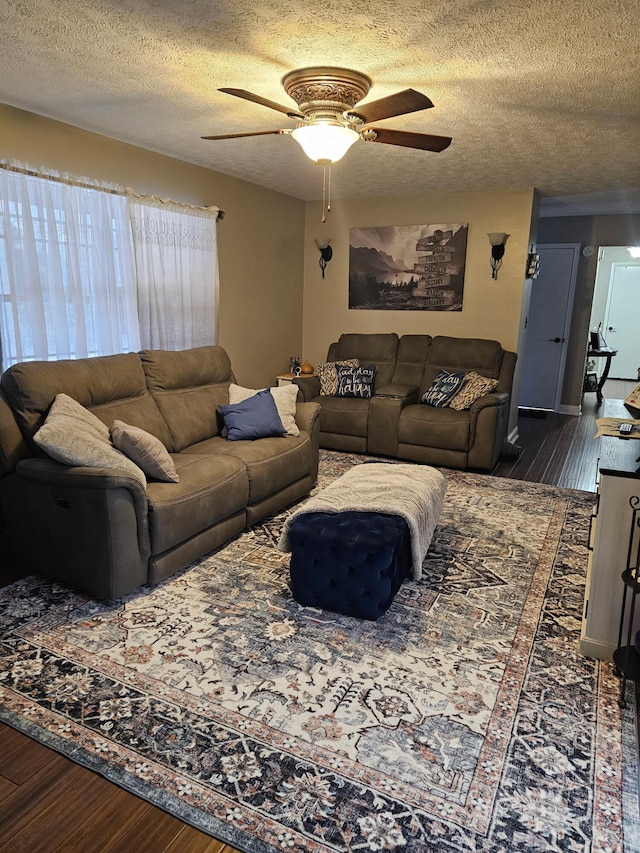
[[395, 423], [101, 530]]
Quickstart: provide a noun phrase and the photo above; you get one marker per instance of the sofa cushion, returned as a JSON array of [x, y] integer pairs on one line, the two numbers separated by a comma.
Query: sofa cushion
[[111, 386], [145, 450], [413, 352], [327, 372], [74, 436], [188, 386], [462, 355], [474, 387], [272, 463], [430, 426], [284, 396], [256, 417], [345, 416], [211, 487], [375, 348], [356, 382], [445, 386]]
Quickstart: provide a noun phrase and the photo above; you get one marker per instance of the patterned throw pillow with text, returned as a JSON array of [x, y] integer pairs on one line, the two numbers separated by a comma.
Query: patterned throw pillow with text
[[356, 382], [442, 389]]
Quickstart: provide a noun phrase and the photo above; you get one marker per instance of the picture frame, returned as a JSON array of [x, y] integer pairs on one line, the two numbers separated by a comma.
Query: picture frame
[[408, 267]]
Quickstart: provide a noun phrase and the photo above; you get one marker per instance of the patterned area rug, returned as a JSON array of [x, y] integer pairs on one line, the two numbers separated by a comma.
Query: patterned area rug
[[462, 720]]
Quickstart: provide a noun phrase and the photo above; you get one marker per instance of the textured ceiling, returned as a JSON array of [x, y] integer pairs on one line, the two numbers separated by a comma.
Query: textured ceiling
[[540, 93]]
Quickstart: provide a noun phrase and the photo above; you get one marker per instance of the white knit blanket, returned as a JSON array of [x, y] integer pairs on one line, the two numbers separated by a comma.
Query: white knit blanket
[[414, 492]]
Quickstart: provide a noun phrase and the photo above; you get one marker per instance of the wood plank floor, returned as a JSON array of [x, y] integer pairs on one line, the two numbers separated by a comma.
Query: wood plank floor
[[48, 804]]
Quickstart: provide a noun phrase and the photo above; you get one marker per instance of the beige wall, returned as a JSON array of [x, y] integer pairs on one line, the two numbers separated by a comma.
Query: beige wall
[[273, 300], [260, 240], [588, 231], [490, 309]]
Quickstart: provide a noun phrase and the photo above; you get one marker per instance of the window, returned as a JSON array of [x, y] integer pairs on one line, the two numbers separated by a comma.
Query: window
[[176, 273], [79, 277]]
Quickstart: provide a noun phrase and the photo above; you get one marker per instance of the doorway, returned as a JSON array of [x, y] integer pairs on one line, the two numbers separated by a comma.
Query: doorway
[[548, 324], [616, 308]]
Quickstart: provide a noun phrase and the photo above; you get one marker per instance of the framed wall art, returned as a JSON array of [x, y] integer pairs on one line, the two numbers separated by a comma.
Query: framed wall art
[[407, 267]]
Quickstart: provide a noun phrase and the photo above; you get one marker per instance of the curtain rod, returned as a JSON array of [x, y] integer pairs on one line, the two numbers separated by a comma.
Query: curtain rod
[[84, 185]]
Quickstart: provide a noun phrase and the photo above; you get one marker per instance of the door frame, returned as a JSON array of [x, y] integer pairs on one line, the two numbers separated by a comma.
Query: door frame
[[615, 265]]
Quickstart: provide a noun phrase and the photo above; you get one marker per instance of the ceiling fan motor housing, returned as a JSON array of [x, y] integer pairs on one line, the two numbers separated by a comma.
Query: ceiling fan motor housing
[[325, 92]]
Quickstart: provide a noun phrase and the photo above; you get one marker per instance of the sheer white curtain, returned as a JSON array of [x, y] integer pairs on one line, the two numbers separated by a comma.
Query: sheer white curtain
[[176, 271], [67, 272]]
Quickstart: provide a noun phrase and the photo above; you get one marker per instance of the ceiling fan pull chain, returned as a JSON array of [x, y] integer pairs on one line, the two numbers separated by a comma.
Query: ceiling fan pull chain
[[324, 192]]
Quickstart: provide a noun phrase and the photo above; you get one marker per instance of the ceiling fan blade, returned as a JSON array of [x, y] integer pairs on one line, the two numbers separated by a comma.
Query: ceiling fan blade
[[407, 101], [424, 141], [265, 102], [239, 135]]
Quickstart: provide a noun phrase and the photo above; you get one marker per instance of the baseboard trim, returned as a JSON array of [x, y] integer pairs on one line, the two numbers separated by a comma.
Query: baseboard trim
[[595, 649], [513, 436], [571, 410]]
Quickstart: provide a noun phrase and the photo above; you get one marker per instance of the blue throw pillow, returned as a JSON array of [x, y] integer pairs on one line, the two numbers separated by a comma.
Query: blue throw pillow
[[443, 388], [355, 381], [256, 417]]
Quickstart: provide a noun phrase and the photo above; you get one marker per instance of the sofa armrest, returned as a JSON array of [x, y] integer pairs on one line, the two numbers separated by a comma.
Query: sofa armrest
[[306, 416], [308, 420], [309, 387], [488, 420], [487, 401], [57, 474], [87, 527]]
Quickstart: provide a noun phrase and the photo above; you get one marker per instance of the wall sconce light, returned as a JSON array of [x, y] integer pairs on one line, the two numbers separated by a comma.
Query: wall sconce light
[[497, 241], [326, 253]]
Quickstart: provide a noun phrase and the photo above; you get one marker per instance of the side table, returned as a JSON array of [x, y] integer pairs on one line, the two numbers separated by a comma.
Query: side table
[[608, 354], [287, 378]]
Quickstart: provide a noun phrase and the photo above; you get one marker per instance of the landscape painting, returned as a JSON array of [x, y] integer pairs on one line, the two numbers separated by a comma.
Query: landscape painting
[[408, 267]]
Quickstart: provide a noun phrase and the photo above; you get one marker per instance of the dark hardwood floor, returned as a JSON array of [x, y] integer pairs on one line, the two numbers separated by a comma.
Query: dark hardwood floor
[[50, 804]]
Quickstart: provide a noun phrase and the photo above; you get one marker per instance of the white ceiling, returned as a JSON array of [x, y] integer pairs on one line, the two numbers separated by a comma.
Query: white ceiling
[[541, 93]]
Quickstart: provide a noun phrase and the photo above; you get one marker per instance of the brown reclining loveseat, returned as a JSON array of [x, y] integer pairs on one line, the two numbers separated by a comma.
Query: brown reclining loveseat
[[395, 423]]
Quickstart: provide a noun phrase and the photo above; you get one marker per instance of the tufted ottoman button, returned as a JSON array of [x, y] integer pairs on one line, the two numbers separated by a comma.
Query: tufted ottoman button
[[350, 562]]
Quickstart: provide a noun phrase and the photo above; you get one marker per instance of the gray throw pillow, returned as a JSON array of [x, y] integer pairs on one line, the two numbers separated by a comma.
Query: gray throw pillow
[[145, 450], [73, 435]]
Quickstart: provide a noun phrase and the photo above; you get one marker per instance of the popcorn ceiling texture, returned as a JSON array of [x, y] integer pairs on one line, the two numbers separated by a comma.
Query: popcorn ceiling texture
[[535, 94]]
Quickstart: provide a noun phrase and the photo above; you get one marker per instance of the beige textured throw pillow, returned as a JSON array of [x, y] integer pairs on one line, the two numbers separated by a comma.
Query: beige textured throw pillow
[[145, 450], [73, 435], [474, 387], [328, 373], [284, 397]]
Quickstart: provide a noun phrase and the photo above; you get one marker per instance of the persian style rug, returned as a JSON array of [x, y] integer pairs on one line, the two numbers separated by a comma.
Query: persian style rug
[[462, 720]]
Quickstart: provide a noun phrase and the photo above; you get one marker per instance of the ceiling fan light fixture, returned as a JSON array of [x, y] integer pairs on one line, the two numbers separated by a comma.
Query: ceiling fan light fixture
[[325, 141]]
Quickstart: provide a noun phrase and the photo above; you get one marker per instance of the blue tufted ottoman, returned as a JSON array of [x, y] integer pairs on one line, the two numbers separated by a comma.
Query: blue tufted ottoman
[[354, 542], [350, 562]]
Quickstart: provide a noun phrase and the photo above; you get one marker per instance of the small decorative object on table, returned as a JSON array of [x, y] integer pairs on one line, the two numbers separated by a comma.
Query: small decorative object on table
[[306, 369], [294, 365]]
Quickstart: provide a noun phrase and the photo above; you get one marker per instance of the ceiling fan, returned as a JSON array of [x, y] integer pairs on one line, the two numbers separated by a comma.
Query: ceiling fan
[[330, 118]]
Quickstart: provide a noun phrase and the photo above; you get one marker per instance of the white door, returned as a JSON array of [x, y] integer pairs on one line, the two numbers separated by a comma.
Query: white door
[[548, 326], [622, 320]]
